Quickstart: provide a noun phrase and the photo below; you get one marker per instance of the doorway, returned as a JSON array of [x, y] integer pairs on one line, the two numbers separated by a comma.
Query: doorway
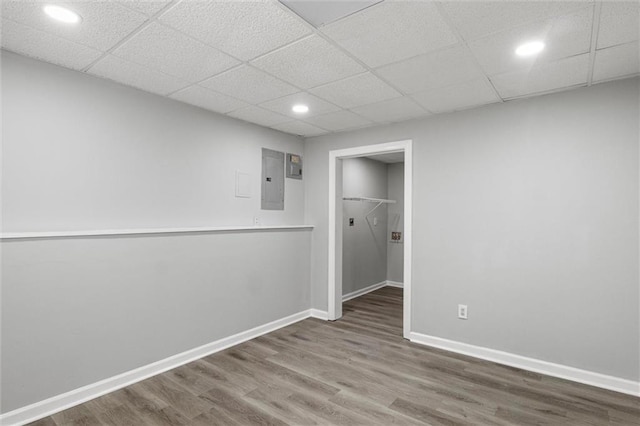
[[336, 222]]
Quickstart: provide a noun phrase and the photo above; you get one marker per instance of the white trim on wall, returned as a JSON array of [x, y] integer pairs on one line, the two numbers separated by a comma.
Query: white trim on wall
[[153, 231], [317, 313], [397, 284], [61, 402], [334, 277], [363, 291], [531, 364]]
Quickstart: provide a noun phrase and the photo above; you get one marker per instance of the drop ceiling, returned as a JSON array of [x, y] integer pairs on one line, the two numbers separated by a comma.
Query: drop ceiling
[[354, 63]]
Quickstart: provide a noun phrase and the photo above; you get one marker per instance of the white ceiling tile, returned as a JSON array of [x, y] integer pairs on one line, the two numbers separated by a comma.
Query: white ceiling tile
[[398, 109], [619, 23], [438, 69], [475, 19], [300, 128], [316, 105], [244, 29], [309, 63], [148, 7], [323, 12], [208, 99], [46, 47], [339, 120], [357, 90], [166, 50], [249, 84], [392, 31], [459, 96], [546, 77], [259, 116], [564, 36], [617, 61], [131, 74], [103, 23]]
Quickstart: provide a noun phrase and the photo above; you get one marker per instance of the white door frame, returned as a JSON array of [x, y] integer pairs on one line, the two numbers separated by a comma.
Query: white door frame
[[335, 223]]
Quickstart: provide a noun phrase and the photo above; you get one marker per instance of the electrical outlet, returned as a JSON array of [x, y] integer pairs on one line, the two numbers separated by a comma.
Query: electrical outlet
[[256, 221], [462, 312]]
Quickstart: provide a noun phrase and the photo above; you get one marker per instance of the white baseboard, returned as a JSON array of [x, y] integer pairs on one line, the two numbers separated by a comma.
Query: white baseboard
[[317, 313], [543, 367], [395, 284], [72, 398], [362, 291]]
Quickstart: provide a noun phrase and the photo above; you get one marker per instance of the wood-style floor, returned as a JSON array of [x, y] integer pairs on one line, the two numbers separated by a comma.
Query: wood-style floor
[[355, 371]]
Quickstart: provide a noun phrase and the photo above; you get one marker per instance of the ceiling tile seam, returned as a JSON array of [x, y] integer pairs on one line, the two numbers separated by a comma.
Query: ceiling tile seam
[[271, 126], [546, 92], [535, 66], [198, 83], [355, 113], [146, 67], [463, 42], [145, 24], [616, 45], [126, 39], [347, 78], [351, 14], [551, 17], [409, 58], [259, 104], [125, 4], [578, 5], [40, 30], [215, 92], [275, 49], [326, 38], [299, 120], [242, 63], [595, 32], [533, 21], [408, 97], [316, 125], [620, 77]]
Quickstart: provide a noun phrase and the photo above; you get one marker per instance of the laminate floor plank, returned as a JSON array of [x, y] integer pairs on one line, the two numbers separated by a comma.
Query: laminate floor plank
[[239, 409], [279, 407], [79, 415], [355, 371]]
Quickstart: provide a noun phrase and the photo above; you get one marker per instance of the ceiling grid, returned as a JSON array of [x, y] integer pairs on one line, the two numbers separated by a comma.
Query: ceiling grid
[[361, 64]]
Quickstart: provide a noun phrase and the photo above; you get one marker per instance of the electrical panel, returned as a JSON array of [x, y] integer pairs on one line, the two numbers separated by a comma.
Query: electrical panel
[[272, 180], [294, 166]]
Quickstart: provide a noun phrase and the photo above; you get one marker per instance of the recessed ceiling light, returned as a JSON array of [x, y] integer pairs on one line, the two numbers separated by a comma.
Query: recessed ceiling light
[[62, 14], [529, 49], [300, 109]]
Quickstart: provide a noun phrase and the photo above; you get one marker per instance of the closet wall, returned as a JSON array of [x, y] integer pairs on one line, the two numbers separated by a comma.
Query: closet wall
[[395, 212], [364, 253], [366, 243]]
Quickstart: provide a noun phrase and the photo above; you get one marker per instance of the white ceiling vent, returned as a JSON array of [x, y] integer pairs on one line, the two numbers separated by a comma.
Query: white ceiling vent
[[323, 12]]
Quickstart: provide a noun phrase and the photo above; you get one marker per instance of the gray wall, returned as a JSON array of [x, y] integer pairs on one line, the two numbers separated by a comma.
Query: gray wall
[[528, 213], [81, 153], [85, 153], [76, 311], [395, 250], [364, 245]]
